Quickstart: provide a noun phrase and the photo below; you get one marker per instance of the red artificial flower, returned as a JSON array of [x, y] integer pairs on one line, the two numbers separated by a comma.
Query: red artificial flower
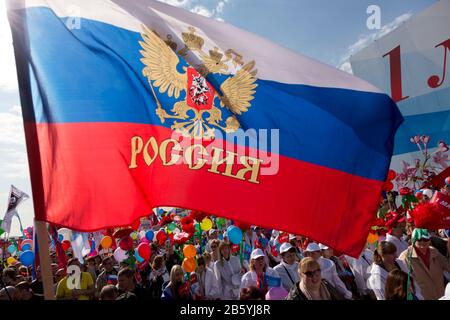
[[187, 221], [188, 228], [198, 215], [165, 220], [405, 191]]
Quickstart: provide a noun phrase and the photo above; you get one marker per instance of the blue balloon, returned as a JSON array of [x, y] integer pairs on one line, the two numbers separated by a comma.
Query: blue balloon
[[27, 258], [234, 234], [137, 256], [26, 247], [149, 235], [12, 248], [60, 237]]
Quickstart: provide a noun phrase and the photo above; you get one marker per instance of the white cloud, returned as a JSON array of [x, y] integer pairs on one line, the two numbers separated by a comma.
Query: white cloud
[[367, 39], [203, 11], [11, 128], [8, 77], [177, 3]]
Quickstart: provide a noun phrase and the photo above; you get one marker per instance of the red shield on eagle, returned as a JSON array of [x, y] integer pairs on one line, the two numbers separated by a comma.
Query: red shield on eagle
[[199, 93]]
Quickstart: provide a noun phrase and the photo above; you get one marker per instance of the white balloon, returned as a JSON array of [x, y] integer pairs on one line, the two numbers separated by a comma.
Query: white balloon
[[120, 255], [66, 233]]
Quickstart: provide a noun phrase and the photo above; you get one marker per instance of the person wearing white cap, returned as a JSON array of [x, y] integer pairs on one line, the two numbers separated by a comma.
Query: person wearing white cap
[[328, 269], [287, 269], [260, 275], [212, 235], [228, 271]]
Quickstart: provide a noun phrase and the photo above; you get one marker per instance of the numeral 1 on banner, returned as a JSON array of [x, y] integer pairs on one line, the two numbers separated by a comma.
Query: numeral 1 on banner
[[396, 74]]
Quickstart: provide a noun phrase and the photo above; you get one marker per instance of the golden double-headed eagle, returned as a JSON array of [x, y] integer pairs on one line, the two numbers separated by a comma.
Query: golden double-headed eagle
[[161, 62]]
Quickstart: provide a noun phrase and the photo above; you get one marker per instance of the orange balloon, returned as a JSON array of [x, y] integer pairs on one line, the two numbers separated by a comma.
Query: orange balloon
[[189, 265], [106, 242], [189, 251], [372, 238]]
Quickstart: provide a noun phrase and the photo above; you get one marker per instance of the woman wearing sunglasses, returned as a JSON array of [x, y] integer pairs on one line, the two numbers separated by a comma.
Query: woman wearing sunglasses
[[427, 264], [311, 285]]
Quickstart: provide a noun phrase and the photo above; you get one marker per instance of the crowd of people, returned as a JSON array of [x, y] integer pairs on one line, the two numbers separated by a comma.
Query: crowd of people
[[406, 263]]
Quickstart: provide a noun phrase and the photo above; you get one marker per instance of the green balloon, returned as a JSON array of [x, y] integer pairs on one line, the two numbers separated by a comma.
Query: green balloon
[[197, 227], [171, 226]]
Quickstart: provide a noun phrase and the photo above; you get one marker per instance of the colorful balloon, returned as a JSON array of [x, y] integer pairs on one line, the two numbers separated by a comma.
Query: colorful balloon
[[189, 264], [27, 258], [10, 260], [234, 234], [149, 235], [189, 251], [66, 245], [106, 242], [25, 242], [372, 238], [26, 247], [391, 175], [206, 224], [11, 249], [126, 243], [137, 256], [144, 251], [134, 235], [171, 227]]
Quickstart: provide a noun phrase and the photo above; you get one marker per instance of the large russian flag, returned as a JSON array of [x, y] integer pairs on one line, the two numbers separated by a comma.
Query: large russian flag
[[131, 105]]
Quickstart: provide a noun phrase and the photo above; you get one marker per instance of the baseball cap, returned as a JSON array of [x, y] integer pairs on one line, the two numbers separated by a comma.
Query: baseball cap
[[419, 233], [256, 254], [285, 247], [323, 247], [312, 247], [211, 231]]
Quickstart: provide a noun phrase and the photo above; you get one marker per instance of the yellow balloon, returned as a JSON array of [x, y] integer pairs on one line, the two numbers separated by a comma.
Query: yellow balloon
[[206, 224], [10, 260], [134, 235]]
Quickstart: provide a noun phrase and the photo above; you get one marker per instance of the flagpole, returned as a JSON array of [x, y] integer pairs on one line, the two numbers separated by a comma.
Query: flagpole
[[44, 257]]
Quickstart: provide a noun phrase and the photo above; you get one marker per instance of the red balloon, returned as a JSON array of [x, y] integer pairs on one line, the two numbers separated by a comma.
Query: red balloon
[[388, 186], [66, 245], [161, 237], [126, 243], [391, 175], [144, 251]]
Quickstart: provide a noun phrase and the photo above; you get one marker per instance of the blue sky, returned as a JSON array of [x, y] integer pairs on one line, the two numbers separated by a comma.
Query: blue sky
[[326, 30]]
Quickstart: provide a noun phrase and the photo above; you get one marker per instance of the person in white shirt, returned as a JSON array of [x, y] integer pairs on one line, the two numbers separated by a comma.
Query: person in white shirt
[[260, 275], [361, 270], [384, 261], [208, 286], [228, 271], [328, 269], [212, 235], [288, 267]]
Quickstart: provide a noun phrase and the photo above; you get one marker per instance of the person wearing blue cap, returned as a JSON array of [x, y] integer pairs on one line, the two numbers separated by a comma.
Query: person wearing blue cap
[[427, 265]]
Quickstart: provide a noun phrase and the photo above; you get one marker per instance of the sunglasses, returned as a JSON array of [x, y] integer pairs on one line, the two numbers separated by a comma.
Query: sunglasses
[[423, 240], [311, 274]]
